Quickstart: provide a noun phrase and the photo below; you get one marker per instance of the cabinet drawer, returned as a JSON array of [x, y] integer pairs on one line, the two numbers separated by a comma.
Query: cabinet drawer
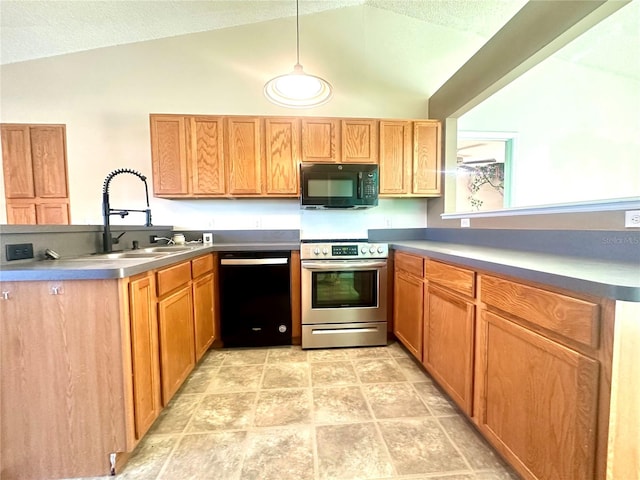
[[457, 279], [409, 263], [201, 265], [572, 318], [173, 277]]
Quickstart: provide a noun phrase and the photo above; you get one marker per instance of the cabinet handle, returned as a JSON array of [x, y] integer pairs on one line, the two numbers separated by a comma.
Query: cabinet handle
[[55, 290], [5, 295]]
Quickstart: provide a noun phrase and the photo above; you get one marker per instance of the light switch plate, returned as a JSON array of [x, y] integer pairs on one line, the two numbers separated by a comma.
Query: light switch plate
[[207, 238]]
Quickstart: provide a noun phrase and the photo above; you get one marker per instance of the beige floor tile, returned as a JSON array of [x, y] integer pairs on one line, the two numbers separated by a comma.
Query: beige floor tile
[[393, 400], [351, 451], [286, 375], [211, 456], [333, 373], [436, 401], [420, 446], [327, 355], [378, 371], [224, 411], [283, 407], [236, 378], [340, 404], [175, 416], [411, 369], [212, 359], [367, 352], [245, 356], [279, 454], [148, 458], [396, 350], [287, 354], [198, 381]]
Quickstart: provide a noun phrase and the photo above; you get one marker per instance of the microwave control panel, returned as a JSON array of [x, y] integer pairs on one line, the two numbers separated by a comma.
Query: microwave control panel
[[369, 185]]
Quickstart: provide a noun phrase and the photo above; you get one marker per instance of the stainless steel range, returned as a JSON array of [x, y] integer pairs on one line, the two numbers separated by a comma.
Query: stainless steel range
[[344, 293]]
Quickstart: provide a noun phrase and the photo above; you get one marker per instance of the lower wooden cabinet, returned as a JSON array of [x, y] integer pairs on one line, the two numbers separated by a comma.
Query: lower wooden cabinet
[[407, 311], [144, 353], [538, 401], [448, 343], [203, 313]]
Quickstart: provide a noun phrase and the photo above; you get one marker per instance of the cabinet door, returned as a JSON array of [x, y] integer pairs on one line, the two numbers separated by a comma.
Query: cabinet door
[[169, 155], [426, 158], [205, 155], [53, 213], [321, 140], [48, 152], [538, 401], [177, 358], [448, 344], [144, 354], [16, 162], [360, 141], [21, 213], [203, 311], [407, 311], [282, 156], [243, 150], [395, 157]]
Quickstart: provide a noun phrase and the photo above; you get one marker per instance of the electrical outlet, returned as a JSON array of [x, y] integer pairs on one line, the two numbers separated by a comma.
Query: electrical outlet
[[19, 251], [153, 239], [465, 222], [632, 219]]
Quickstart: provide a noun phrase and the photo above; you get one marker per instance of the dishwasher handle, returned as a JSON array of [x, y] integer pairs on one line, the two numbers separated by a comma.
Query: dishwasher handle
[[254, 261]]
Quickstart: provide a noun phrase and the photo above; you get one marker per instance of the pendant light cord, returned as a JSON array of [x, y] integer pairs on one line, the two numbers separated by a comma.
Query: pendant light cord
[[297, 33]]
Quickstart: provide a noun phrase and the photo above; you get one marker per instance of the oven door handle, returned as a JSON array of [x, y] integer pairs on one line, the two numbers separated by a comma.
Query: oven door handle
[[343, 265]]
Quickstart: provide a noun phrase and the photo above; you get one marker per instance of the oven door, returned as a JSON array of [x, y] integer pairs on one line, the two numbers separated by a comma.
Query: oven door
[[344, 291]]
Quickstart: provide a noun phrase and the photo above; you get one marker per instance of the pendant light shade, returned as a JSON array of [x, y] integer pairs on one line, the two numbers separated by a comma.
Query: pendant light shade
[[298, 89]]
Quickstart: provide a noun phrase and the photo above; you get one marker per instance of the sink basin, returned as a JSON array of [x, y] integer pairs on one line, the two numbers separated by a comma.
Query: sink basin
[[117, 255], [170, 248]]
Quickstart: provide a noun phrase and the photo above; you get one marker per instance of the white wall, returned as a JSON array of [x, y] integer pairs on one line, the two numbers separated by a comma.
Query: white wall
[[380, 64]]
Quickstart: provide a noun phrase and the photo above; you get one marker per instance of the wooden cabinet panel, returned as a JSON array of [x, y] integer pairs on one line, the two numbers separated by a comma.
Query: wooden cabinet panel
[[448, 344], [426, 158], [458, 279], [16, 162], [177, 356], [359, 141], [321, 140], [173, 277], [48, 152], [409, 263], [395, 157], [407, 311], [53, 213], [169, 155], [201, 265], [21, 213], [144, 354], [282, 156], [572, 318], [538, 401], [243, 149], [205, 155], [203, 313]]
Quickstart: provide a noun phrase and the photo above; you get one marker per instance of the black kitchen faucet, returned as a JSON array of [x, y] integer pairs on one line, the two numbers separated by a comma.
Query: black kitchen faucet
[[107, 211]]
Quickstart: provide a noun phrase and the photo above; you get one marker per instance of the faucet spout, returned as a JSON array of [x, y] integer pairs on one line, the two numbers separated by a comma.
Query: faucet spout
[[107, 211]]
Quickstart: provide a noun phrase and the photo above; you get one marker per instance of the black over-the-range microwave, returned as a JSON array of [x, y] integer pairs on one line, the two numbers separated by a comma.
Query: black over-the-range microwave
[[338, 185]]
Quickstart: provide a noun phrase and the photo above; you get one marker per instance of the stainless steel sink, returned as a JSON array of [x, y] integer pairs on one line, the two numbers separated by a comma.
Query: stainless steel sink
[[170, 248], [118, 255]]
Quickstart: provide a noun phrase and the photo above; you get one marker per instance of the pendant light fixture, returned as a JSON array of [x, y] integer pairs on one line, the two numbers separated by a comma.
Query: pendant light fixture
[[298, 89]]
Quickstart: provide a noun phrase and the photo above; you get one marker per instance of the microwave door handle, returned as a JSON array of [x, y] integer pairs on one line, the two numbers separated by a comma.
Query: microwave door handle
[[359, 189], [335, 266]]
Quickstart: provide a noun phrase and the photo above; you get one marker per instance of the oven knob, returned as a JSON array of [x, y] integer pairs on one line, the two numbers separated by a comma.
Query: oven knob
[[316, 251], [380, 249], [372, 250], [325, 251], [363, 250]]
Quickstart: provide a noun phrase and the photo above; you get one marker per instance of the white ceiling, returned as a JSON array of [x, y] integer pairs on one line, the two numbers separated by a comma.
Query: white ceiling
[[37, 29]]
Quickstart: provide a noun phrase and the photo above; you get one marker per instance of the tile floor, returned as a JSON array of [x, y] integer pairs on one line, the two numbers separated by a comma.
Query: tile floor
[[281, 413]]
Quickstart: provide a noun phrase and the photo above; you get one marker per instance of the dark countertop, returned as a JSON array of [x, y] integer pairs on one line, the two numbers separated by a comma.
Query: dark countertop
[[93, 268], [617, 280], [612, 279]]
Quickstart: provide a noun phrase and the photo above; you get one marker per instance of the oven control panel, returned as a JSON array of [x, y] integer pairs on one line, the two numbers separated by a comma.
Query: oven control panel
[[343, 250]]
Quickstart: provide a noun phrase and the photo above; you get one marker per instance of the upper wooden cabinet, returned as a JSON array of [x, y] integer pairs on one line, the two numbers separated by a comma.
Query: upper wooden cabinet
[[34, 163], [249, 156], [410, 158], [321, 140], [359, 141], [282, 156]]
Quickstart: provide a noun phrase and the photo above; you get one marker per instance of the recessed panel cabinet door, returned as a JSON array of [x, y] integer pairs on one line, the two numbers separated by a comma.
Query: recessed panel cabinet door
[[359, 141], [426, 158], [538, 401], [203, 311], [53, 213], [16, 162], [395, 157], [177, 357], [282, 156], [205, 154], [243, 150], [407, 311], [169, 155], [48, 152], [144, 354], [21, 214], [321, 140]]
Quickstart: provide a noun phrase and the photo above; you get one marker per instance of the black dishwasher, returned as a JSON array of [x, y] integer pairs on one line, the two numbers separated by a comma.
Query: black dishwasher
[[255, 298]]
